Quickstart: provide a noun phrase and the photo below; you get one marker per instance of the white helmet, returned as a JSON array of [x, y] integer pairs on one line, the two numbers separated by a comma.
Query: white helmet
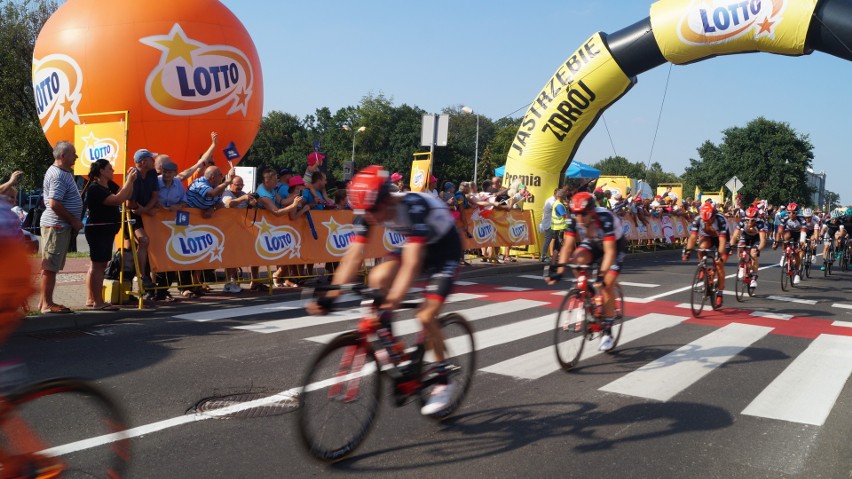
[[807, 213]]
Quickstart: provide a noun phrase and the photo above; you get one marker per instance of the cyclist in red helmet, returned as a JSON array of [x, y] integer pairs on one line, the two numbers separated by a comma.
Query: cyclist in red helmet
[[790, 230], [751, 233], [594, 235], [432, 245], [710, 230]]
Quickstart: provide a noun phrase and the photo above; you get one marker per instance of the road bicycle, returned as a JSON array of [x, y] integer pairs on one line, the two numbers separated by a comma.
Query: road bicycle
[[46, 431], [808, 253], [579, 317], [342, 385], [788, 273], [828, 258], [743, 282], [704, 282]]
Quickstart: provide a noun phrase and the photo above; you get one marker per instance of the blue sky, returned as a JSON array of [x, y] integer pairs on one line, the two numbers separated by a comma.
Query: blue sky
[[494, 56]]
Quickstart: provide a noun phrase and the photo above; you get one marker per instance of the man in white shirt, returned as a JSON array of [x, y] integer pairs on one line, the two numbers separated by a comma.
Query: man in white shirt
[[544, 227]]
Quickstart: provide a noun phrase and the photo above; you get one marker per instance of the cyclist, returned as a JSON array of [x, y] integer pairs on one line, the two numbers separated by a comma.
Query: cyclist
[[751, 233], [810, 230], [790, 227], [710, 230], [844, 235], [594, 235], [831, 231], [433, 245]]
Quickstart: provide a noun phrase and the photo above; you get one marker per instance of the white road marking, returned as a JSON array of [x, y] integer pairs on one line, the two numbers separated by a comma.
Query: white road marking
[[687, 288], [410, 326], [532, 276], [842, 324], [542, 362], [808, 388], [767, 314], [664, 378], [631, 299], [639, 285], [465, 283], [793, 300], [841, 305]]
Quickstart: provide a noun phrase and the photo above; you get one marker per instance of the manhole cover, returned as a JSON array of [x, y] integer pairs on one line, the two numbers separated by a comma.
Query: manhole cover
[[247, 405]]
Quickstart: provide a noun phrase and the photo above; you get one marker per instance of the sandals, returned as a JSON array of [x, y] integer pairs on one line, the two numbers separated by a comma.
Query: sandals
[[188, 294], [105, 307]]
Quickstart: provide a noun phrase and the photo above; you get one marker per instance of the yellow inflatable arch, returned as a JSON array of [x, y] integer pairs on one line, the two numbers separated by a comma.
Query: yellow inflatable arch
[[605, 67]]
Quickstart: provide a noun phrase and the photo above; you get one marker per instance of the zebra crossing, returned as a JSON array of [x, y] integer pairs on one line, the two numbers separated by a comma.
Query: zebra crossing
[[805, 392]]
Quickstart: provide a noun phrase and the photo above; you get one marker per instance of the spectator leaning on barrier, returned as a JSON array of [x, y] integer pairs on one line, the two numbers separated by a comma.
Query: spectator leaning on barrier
[[315, 195], [206, 192], [234, 197], [143, 201], [172, 195], [268, 199], [60, 221], [103, 199]]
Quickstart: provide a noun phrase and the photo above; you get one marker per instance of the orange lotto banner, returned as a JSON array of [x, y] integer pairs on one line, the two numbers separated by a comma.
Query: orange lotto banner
[[235, 238], [95, 141]]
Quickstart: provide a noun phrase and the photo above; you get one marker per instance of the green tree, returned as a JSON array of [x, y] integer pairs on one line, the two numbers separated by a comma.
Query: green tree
[[24, 144], [620, 166], [769, 157], [832, 200]]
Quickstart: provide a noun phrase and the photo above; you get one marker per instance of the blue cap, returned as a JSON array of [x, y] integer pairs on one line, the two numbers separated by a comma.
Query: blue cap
[[142, 154]]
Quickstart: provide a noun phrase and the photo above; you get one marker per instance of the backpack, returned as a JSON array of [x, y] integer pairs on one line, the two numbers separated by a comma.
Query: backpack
[[32, 222], [113, 267]]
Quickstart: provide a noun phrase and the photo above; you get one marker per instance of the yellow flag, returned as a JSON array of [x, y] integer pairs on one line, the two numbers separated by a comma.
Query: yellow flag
[[94, 141]]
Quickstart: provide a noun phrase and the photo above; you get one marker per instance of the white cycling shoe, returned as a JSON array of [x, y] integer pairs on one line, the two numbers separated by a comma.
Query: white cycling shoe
[[606, 342], [797, 279], [438, 400]]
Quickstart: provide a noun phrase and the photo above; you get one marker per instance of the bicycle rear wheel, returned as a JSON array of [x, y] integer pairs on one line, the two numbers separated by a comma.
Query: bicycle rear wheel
[[570, 333], [460, 354], [699, 292], [806, 266], [618, 317], [340, 398], [67, 427]]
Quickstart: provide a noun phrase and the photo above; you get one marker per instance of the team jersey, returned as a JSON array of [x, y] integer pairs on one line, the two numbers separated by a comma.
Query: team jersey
[[608, 227], [812, 225], [793, 225], [718, 223], [753, 230], [833, 226], [422, 218]]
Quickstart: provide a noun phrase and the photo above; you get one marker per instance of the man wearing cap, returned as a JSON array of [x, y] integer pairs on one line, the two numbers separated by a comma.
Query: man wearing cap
[[146, 196], [172, 195], [432, 188], [283, 188]]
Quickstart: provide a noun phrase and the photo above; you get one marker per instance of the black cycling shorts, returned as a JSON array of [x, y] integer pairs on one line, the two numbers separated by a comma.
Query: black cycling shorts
[[596, 249], [441, 264]]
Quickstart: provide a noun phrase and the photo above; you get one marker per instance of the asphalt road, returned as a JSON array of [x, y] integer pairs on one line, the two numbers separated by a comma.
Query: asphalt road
[[757, 389]]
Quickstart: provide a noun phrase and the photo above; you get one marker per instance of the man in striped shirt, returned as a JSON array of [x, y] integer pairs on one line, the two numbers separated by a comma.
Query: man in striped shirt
[[60, 221], [206, 192]]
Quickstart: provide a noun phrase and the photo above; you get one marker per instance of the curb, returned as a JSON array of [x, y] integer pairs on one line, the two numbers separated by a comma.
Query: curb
[[81, 319]]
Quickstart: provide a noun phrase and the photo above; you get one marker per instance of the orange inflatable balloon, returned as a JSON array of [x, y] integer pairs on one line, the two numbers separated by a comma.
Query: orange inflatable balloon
[[182, 69]]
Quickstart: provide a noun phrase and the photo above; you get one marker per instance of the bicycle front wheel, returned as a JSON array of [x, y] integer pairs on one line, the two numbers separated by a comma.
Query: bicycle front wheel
[[67, 428], [699, 292], [570, 334], [808, 263], [785, 275], [340, 398], [460, 358], [740, 286]]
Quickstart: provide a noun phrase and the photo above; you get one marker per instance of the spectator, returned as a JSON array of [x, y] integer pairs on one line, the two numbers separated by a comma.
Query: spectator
[[341, 200], [234, 197], [396, 179], [268, 198], [172, 195], [432, 188], [544, 226], [60, 221], [314, 194], [315, 161], [618, 204], [298, 207], [206, 192], [559, 221], [283, 189], [143, 201], [9, 188], [103, 199], [449, 192]]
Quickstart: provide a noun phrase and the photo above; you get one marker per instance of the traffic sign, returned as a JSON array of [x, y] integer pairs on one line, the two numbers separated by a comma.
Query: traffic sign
[[734, 184]]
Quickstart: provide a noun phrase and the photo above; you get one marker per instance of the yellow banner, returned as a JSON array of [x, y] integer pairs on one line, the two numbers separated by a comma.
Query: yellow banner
[[690, 30], [421, 170], [235, 238], [565, 109], [94, 141]]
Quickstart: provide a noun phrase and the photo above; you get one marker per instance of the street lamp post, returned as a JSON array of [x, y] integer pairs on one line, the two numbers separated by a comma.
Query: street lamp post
[[354, 132], [469, 110]]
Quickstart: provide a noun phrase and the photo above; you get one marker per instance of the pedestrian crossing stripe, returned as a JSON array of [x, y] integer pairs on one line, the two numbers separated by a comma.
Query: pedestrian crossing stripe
[[542, 362], [665, 377]]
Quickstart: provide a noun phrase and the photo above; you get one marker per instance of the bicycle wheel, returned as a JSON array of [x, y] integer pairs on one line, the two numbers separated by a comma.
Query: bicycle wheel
[[699, 292], [460, 353], [618, 317], [68, 427], [844, 261], [570, 333], [340, 398], [807, 263], [740, 285], [785, 275]]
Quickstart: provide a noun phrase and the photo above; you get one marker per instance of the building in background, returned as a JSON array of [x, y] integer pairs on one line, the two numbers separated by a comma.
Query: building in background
[[817, 183]]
